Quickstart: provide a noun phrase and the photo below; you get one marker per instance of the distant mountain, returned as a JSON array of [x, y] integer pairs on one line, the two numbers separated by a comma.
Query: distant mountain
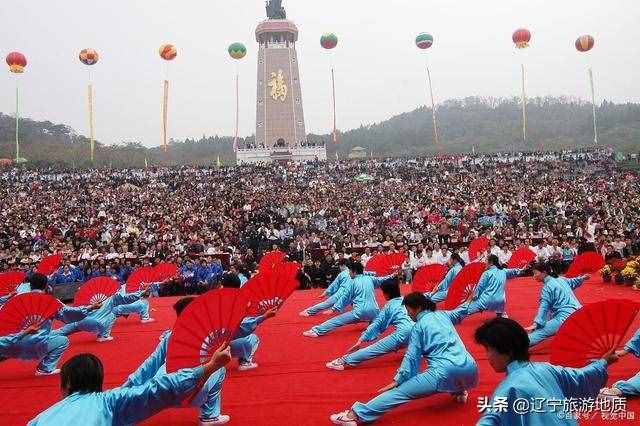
[[485, 124]]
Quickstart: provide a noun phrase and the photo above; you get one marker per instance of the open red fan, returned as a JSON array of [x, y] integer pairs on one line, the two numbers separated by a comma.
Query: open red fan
[[427, 277], [269, 289], [385, 263], [165, 271], [48, 265], [139, 277], [592, 331], [270, 259], [27, 309], [521, 258], [96, 290], [588, 262], [9, 281], [477, 246], [463, 285], [208, 322]]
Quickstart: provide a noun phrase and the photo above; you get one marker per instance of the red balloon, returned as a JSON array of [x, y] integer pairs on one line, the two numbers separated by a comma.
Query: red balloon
[[16, 61], [585, 43], [521, 38]]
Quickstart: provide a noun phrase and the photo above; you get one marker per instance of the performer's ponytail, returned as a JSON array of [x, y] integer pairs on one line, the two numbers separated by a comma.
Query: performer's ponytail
[[493, 260], [546, 268], [456, 258]]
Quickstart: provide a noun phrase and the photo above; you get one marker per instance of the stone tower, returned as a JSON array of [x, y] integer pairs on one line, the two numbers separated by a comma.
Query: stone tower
[[280, 126]]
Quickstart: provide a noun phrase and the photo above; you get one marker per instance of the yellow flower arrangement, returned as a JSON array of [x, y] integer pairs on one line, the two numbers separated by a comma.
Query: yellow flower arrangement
[[628, 273], [606, 270]]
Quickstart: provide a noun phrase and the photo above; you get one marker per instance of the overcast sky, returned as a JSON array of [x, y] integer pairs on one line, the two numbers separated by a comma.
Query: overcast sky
[[379, 70]]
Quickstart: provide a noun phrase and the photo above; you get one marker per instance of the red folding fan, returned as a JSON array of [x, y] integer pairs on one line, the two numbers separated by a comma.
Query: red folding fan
[[270, 259], [139, 277], [27, 309], [427, 277], [477, 246], [521, 258], [96, 290], [165, 271], [463, 284], [49, 264], [588, 262], [385, 263], [269, 289], [9, 281], [208, 322], [592, 331]]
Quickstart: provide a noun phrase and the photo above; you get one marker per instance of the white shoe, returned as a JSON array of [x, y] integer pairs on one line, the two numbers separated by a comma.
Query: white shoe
[[244, 366], [502, 315], [342, 419], [304, 313], [220, 420], [336, 364], [461, 397], [310, 333], [610, 393], [105, 339], [146, 320], [47, 373]]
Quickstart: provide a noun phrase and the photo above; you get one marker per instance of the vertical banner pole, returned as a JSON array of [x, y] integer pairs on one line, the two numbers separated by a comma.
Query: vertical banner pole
[[433, 108], [17, 121], [593, 103], [333, 87], [165, 100], [524, 107]]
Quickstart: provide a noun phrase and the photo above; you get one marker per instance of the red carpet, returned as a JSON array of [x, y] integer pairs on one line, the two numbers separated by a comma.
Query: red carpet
[[292, 386]]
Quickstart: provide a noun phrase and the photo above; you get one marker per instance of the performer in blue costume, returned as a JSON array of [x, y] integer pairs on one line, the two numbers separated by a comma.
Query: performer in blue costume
[[85, 403], [101, 321], [629, 387], [140, 307], [507, 347], [393, 314], [39, 342], [451, 369], [489, 294], [333, 293], [439, 293], [360, 292], [557, 302], [209, 397], [245, 343]]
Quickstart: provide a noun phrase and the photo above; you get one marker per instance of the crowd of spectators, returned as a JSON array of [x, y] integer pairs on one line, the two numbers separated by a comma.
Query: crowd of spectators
[[211, 220]]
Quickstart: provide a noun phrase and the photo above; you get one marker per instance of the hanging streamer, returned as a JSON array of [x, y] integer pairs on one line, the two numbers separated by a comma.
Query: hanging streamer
[[168, 52], [237, 51], [17, 123], [524, 107], [90, 57], [521, 38], [17, 63], [235, 138], [329, 41], [91, 120], [433, 108], [584, 44], [165, 101], [424, 41], [333, 87], [593, 103]]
